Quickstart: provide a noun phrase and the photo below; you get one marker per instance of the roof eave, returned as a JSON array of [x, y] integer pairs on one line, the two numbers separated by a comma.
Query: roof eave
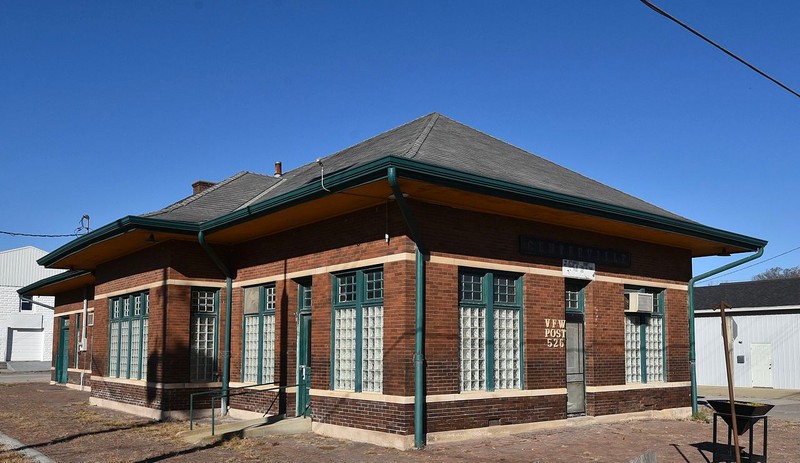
[[114, 229], [52, 280], [411, 169], [438, 175]]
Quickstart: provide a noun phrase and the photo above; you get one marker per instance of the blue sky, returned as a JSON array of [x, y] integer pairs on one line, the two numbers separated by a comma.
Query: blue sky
[[114, 108]]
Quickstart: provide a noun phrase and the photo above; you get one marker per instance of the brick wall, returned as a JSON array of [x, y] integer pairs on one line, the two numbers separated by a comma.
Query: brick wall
[[609, 403], [448, 233], [466, 414]]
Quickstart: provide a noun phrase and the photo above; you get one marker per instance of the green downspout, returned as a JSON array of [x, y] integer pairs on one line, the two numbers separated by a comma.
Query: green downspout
[[759, 253], [419, 329], [226, 354]]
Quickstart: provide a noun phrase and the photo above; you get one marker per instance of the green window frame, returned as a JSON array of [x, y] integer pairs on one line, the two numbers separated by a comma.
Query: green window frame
[[645, 340], [490, 330], [357, 330], [258, 334], [574, 299], [203, 334], [128, 334], [304, 295]]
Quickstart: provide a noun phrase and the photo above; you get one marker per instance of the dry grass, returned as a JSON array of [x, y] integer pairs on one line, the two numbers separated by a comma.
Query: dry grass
[[165, 430], [247, 448], [86, 416], [8, 456]]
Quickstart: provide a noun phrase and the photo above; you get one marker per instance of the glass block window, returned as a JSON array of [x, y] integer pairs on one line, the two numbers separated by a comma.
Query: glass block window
[[345, 352], [633, 351], [203, 335], [654, 349], [372, 351], [490, 331], [357, 354], [506, 346], [644, 342], [473, 348], [127, 344], [258, 358]]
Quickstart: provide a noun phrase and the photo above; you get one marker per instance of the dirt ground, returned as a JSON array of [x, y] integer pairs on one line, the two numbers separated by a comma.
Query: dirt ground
[[59, 423]]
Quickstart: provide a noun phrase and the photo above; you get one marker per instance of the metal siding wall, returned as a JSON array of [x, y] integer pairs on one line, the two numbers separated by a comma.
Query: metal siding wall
[[782, 331], [18, 267]]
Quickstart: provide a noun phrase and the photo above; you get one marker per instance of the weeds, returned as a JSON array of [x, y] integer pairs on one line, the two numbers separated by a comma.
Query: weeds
[[701, 416]]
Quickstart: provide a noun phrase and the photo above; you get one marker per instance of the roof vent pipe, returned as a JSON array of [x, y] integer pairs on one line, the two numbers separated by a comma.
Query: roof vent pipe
[[278, 169]]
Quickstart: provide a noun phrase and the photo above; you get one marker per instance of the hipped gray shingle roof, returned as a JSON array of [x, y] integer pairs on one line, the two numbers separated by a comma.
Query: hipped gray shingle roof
[[760, 293], [432, 139]]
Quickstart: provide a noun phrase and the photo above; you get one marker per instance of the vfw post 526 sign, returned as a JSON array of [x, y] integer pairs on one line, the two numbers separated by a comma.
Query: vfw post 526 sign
[[554, 332]]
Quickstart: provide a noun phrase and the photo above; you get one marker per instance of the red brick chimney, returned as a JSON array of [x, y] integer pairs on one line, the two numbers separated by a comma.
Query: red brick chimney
[[201, 186], [278, 169]]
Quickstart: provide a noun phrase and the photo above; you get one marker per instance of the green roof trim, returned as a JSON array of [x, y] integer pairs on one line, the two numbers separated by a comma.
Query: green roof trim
[[438, 175], [44, 282], [117, 228], [414, 170], [485, 185]]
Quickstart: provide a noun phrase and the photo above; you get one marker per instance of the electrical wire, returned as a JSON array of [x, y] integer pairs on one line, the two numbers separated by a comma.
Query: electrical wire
[[755, 264], [83, 226], [37, 235], [724, 50]]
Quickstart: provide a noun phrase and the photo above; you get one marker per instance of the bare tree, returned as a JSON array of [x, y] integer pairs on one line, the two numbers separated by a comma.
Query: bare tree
[[778, 272]]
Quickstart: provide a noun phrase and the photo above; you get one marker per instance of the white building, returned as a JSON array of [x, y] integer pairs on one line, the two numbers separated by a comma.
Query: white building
[[26, 330], [766, 332]]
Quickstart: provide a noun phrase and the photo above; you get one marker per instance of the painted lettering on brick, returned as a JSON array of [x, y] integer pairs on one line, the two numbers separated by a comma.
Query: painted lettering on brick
[[554, 332]]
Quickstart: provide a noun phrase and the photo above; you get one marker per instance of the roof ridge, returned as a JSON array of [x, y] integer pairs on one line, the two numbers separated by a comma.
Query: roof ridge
[[197, 196], [257, 197], [559, 166], [413, 150]]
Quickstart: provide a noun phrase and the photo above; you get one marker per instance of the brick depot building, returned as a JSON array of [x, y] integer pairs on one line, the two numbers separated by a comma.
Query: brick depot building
[[426, 282]]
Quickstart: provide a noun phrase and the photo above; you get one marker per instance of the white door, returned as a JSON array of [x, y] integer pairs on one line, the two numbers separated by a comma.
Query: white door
[[26, 345], [761, 364]]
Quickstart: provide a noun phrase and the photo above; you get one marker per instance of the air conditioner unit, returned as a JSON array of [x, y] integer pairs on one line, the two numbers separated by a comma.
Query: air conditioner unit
[[639, 302]]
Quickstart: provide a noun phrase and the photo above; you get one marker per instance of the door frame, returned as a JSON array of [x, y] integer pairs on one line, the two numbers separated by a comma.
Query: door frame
[[576, 315], [303, 371], [62, 354], [753, 364]]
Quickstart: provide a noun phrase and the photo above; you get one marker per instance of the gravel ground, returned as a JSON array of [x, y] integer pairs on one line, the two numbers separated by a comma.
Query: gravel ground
[[59, 423]]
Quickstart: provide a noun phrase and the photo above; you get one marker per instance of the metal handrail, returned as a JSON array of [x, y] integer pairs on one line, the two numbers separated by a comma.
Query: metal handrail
[[227, 394]]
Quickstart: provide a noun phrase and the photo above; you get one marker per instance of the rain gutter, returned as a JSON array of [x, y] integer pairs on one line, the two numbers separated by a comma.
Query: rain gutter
[[28, 299], [419, 310], [692, 355], [226, 354]]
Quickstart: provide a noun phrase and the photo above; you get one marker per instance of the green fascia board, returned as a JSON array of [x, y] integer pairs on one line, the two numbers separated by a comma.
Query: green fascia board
[[414, 170], [69, 275], [484, 185], [114, 229], [348, 178], [438, 175]]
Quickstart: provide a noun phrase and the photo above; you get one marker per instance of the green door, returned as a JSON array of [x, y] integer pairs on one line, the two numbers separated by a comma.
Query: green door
[[62, 356], [303, 363]]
